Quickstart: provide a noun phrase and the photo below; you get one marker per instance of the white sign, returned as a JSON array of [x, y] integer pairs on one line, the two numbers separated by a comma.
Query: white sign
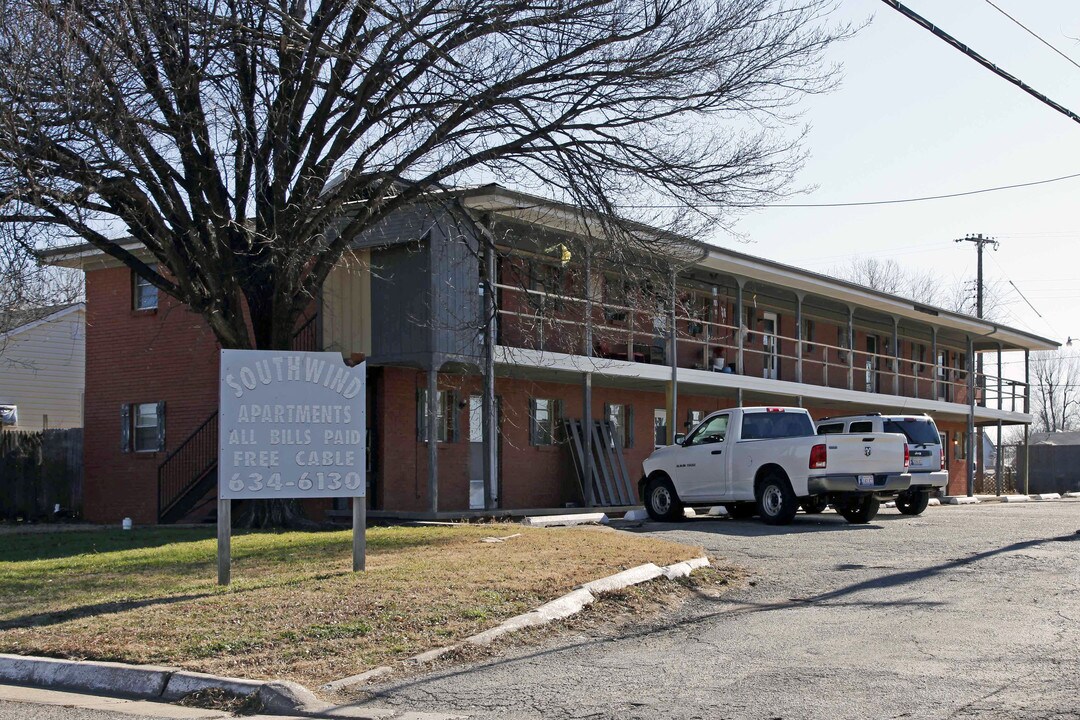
[[292, 425]]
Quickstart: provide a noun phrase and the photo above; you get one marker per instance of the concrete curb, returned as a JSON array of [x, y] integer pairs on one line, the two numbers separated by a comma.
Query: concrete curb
[[152, 682], [1072, 494], [960, 500], [563, 607], [1015, 498], [555, 520], [1046, 496], [934, 502]]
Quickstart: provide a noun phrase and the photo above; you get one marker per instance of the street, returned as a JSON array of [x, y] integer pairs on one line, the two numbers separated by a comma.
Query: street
[[962, 612]]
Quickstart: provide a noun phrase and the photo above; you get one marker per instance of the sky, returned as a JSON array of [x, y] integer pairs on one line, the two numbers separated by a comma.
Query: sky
[[915, 117]]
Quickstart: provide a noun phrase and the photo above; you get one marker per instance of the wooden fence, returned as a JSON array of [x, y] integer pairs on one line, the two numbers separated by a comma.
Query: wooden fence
[[38, 472]]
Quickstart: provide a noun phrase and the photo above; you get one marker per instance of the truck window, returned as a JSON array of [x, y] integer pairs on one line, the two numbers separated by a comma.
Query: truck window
[[830, 429], [918, 432], [713, 430], [760, 426], [861, 427]]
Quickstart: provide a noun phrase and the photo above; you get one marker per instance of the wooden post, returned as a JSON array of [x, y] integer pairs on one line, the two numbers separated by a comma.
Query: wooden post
[[359, 534], [224, 542]]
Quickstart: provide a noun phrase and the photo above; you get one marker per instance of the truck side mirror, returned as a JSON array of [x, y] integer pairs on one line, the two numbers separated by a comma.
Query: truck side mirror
[[680, 438]]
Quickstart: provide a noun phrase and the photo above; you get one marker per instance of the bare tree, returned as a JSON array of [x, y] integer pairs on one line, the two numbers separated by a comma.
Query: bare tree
[[1055, 392], [244, 143], [28, 290], [925, 286], [231, 137]]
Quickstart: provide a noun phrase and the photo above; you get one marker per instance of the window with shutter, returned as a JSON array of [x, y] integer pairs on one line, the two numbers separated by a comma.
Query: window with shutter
[[146, 427]]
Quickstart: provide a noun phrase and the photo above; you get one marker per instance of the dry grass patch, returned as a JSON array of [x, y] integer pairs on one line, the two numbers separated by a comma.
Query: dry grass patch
[[295, 610]]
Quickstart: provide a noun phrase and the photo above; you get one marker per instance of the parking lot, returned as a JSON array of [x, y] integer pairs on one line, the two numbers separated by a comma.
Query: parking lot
[[962, 612]]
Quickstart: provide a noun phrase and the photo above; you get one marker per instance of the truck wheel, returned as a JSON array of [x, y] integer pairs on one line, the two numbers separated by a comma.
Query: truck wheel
[[860, 511], [776, 503], [912, 502], [661, 501], [815, 504]]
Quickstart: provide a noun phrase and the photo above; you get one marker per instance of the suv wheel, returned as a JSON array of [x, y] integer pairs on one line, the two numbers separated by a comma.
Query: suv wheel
[[913, 502], [860, 511]]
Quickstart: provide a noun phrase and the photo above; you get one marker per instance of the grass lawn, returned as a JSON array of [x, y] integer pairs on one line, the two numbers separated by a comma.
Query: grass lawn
[[295, 610]]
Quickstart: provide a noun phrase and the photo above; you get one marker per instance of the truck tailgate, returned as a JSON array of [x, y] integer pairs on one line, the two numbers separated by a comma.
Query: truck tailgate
[[865, 454]]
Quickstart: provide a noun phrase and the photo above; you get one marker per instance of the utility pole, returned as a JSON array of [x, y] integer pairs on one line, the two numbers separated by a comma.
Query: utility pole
[[980, 243]]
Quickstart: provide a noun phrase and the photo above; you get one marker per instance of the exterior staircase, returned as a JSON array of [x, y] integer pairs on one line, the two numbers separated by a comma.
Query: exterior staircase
[[188, 475]]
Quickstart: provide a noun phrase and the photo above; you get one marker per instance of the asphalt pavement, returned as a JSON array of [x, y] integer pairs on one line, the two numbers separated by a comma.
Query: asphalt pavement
[[962, 612]]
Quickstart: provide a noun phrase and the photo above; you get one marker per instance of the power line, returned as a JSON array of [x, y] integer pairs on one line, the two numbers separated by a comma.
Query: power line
[[941, 34], [863, 203], [1032, 33]]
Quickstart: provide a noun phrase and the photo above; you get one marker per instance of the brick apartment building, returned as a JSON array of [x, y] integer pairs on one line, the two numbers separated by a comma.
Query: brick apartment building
[[409, 298]]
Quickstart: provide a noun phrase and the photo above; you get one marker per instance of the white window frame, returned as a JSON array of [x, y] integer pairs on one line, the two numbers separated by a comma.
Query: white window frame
[[140, 284]]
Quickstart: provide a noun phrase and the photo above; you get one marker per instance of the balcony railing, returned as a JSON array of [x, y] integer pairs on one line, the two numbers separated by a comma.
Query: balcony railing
[[541, 320]]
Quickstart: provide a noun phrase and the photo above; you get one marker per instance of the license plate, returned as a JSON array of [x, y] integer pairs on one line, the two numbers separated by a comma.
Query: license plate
[[866, 481], [916, 462]]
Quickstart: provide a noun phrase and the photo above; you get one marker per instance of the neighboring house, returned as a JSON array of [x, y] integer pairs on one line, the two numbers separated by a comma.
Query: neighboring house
[[746, 331], [42, 368]]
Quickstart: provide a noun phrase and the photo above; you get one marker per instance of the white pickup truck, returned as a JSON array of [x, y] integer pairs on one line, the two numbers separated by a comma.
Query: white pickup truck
[[768, 460]]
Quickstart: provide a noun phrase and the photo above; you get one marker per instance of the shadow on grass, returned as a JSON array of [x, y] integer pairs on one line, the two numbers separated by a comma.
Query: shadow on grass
[[25, 547], [31, 546], [96, 609], [730, 609]]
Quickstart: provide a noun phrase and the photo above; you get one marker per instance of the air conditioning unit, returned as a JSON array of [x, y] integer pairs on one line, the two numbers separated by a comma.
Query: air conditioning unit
[[9, 414]]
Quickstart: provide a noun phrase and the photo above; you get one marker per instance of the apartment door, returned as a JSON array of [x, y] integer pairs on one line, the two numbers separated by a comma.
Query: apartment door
[[770, 346], [871, 363], [476, 454]]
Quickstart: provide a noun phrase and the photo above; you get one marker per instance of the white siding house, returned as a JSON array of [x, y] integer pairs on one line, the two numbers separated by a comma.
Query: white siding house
[[42, 371]]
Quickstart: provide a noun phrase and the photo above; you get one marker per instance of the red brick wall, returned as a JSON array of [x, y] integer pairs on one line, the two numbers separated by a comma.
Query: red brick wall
[[132, 357]]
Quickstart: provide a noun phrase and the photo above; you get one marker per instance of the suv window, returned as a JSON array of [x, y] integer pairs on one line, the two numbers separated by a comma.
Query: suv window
[[918, 431], [830, 429], [861, 427], [759, 426], [713, 430]]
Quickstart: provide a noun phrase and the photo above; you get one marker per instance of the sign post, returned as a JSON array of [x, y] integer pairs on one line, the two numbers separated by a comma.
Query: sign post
[[292, 425]]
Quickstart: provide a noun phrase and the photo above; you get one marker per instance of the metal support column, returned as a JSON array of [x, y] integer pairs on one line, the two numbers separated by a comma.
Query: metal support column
[[798, 337], [673, 408], [490, 421], [1027, 427], [896, 356], [971, 417], [933, 364], [999, 455], [586, 386], [739, 317], [851, 348], [433, 438]]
